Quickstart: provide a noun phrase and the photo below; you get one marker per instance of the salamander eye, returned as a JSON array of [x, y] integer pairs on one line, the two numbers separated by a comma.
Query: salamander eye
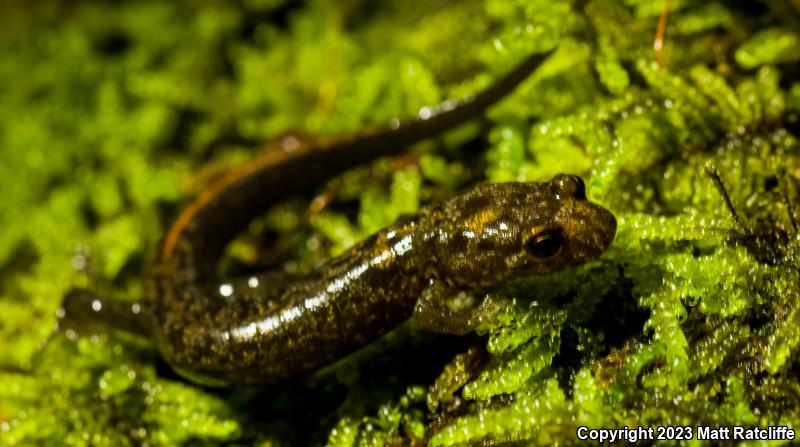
[[545, 244], [567, 185]]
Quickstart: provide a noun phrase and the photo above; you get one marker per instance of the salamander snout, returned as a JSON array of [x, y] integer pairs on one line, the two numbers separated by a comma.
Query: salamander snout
[[608, 228], [590, 228]]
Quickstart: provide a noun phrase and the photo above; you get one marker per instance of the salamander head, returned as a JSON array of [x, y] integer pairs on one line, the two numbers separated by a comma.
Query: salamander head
[[501, 231]]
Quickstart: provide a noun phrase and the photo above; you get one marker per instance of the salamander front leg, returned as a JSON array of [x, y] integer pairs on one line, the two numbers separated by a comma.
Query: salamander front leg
[[83, 309], [433, 313]]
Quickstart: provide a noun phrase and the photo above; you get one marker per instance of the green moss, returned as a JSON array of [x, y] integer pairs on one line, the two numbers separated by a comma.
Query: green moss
[[770, 46], [110, 116]]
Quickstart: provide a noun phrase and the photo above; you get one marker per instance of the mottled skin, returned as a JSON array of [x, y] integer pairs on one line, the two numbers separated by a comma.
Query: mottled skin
[[267, 327]]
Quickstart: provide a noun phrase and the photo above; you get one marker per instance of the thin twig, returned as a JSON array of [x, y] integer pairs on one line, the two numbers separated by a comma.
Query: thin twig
[[658, 44], [715, 177]]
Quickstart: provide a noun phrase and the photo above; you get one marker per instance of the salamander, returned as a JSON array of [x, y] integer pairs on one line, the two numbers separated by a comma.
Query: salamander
[[268, 327]]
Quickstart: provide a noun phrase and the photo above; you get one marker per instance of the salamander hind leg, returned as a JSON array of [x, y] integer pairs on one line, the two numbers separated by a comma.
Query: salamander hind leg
[[433, 313]]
